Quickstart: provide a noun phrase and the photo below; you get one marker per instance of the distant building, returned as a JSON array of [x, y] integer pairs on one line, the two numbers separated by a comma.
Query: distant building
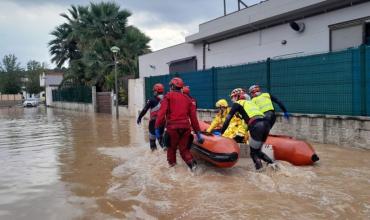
[[270, 29], [50, 80], [24, 80]]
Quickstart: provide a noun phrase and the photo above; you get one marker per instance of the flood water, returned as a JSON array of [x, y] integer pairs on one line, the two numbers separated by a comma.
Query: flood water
[[68, 165]]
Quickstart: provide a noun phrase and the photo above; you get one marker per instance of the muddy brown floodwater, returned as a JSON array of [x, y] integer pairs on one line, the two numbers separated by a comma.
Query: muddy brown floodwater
[[68, 165]]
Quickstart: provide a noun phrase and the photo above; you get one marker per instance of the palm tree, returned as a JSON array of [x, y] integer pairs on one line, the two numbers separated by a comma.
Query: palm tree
[[64, 47], [86, 38]]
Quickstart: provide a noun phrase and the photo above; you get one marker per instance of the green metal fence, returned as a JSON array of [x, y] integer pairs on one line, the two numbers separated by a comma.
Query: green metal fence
[[73, 94], [335, 83]]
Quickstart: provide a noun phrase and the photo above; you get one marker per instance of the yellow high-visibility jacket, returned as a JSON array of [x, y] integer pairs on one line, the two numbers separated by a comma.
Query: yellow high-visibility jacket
[[236, 127]]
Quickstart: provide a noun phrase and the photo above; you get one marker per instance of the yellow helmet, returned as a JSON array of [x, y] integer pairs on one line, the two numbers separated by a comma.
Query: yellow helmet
[[221, 103]]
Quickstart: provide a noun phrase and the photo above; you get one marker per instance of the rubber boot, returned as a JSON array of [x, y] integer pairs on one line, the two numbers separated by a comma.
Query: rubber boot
[[153, 146]]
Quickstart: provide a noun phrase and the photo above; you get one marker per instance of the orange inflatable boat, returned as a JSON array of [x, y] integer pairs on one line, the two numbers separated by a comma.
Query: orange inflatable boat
[[278, 147], [296, 152], [220, 151]]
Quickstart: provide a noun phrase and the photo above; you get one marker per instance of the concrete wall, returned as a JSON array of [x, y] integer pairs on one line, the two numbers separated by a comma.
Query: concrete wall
[[136, 96], [10, 103], [340, 130], [82, 107], [257, 45], [7, 100], [49, 95]]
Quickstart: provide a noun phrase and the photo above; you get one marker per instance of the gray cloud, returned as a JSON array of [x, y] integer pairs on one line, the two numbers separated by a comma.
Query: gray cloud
[[169, 10], [25, 25]]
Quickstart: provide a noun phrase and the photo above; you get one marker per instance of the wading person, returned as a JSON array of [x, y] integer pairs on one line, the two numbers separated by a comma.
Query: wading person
[[153, 104], [176, 110], [236, 130], [264, 101], [259, 127], [186, 91]]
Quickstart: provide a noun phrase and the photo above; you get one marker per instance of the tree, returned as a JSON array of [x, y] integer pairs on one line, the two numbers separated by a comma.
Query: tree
[[10, 81], [10, 64], [34, 70], [84, 41], [64, 47]]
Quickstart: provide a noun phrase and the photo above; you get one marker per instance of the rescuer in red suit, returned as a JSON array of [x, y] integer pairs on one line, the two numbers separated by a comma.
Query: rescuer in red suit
[[176, 110], [186, 91]]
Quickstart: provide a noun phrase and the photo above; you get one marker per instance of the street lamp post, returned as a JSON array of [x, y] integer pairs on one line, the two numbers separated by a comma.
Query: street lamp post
[[115, 51]]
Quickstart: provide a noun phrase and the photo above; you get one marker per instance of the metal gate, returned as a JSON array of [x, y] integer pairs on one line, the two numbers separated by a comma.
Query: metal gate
[[104, 102]]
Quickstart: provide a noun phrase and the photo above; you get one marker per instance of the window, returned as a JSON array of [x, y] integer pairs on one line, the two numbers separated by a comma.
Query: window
[[183, 65], [349, 34], [367, 33], [346, 37]]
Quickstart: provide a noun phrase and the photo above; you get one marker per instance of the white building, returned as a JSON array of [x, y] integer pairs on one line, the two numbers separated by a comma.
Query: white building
[[270, 29], [264, 30], [50, 80]]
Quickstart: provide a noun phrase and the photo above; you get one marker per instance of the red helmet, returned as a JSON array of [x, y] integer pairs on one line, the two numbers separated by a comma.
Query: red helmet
[[186, 90], [158, 87], [177, 82], [237, 94]]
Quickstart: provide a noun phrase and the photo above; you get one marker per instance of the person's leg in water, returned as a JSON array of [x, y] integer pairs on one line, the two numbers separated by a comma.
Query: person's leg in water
[[152, 138], [184, 140], [174, 137], [165, 140], [160, 140], [259, 132]]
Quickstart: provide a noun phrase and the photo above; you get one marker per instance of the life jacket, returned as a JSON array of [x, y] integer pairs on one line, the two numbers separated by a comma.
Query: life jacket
[[263, 101], [250, 108]]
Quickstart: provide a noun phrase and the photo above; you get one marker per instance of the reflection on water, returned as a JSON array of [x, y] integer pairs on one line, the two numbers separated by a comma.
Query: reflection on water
[[67, 165]]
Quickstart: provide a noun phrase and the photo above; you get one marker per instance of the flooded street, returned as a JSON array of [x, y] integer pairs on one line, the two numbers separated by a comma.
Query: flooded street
[[70, 165]]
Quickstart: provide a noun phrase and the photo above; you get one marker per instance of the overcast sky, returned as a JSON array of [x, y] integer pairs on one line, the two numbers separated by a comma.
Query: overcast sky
[[25, 25]]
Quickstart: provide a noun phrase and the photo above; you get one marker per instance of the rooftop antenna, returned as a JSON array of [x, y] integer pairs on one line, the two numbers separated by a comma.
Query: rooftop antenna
[[240, 2]]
